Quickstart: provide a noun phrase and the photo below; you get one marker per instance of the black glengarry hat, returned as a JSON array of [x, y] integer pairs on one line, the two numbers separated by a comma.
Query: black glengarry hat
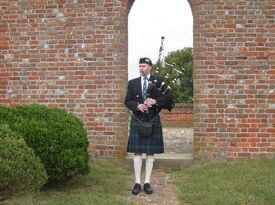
[[145, 60]]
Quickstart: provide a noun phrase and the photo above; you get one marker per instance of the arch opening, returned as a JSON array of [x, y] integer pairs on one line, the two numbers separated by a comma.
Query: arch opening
[[146, 26]]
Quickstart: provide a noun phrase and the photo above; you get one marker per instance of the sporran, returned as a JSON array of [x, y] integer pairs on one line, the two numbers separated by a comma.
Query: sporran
[[145, 129]]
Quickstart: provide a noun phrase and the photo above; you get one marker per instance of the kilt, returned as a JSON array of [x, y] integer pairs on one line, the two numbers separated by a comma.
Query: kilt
[[150, 145]]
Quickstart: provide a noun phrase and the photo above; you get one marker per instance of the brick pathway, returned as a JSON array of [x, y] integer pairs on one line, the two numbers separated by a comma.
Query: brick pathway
[[164, 191], [176, 140]]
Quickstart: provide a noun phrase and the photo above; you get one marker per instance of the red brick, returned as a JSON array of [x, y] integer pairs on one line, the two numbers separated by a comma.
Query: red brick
[[233, 71]]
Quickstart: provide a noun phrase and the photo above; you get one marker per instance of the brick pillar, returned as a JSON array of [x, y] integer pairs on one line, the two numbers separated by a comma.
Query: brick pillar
[[234, 79], [71, 55]]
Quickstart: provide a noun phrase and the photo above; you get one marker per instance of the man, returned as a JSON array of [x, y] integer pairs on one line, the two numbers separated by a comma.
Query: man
[[145, 100]]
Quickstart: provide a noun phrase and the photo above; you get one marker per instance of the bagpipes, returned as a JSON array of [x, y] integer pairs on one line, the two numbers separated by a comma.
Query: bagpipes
[[164, 82]]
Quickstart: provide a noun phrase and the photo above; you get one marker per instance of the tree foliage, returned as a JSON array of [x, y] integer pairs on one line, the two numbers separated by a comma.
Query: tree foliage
[[182, 60]]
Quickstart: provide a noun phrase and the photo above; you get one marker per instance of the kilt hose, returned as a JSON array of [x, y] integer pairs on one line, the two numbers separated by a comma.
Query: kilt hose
[[150, 145]]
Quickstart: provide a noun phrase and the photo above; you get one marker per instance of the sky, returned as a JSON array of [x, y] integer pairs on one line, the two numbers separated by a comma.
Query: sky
[[148, 21]]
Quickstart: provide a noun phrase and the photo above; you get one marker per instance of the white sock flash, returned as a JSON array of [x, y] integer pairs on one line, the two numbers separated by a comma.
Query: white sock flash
[[148, 168], [137, 167]]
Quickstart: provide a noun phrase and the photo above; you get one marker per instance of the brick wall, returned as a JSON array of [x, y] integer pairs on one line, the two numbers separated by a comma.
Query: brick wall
[[72, 54], [180, 116], [234, 79]]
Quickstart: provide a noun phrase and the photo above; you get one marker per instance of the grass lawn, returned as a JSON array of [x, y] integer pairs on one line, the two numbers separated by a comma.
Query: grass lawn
[[246, 182], [250, 182], [107, 184]]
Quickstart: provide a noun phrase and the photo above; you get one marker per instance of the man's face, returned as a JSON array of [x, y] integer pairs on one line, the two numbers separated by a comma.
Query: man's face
[[144, 69]]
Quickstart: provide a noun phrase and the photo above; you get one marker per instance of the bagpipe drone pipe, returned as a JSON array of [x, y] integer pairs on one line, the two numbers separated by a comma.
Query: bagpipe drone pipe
[[166, 77]]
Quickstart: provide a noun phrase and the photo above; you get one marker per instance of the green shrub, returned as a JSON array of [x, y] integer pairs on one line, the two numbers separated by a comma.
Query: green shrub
[[5, 115], [20, 168], [56, 136]]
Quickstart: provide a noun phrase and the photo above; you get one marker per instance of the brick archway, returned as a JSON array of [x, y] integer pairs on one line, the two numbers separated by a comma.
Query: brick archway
[[73, 55]]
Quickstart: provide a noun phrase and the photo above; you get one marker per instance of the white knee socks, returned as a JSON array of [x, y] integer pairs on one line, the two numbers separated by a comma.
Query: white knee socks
[[148, 168], [137, 167]]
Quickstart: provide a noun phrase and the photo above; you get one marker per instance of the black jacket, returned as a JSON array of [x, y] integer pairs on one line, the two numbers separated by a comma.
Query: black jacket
[[134, 97]]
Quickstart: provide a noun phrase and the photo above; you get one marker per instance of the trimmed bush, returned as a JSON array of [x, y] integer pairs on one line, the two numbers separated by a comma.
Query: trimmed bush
[[56, 136], [20, 169], [5, 115]]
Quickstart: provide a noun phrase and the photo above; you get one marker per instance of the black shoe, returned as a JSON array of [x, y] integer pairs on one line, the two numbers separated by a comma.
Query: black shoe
[[136, 189], [148, 189]]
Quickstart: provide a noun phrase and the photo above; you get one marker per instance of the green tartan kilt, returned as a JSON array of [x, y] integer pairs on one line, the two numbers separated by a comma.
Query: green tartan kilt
[[150, 145]]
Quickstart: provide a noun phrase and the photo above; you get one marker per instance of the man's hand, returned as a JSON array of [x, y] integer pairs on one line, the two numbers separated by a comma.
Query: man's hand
[[149, 102], [142, 107]]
